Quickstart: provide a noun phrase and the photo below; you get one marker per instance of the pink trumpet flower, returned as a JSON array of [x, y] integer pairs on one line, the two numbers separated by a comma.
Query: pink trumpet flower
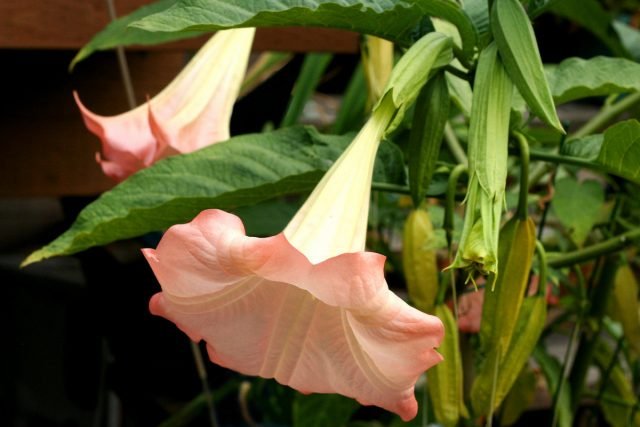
[[193, 111], [308, 307]]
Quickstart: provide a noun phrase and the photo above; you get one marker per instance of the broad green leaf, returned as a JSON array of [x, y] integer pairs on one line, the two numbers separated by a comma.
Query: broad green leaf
[[518, 49], [620, 152], [552, 370], [395, 20], [322, 410], [577, 78], [242, 171], [577, 206], [586, 148], [592, 16], [267, 218], [118, 33]]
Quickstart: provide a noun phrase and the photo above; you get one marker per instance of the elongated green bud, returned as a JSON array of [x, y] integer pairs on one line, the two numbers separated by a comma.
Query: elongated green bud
[[419, 260], [497, 374], [518, 48], [430, 117], [502, 304], [432, 51], [445, 379], [488, 150]]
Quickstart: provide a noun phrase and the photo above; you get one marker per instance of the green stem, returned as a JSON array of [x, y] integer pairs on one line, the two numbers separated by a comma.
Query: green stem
[[524, 176], [612, 364], [390, 188], [575, 333], [453, 143], [542, 273], [567, 160], [589, 337], [607, 114], [450, 203], [594, 251], [202, 374]]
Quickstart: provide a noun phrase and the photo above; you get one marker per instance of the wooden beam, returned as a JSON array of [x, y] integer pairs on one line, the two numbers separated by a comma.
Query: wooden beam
[[70, 24]]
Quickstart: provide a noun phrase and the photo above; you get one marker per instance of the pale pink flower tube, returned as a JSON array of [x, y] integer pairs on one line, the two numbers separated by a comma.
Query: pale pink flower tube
[[308, 307], [193, 111]]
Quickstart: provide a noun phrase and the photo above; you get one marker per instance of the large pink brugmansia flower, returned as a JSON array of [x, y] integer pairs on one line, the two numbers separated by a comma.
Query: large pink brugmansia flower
[[193, 111], [308, 306]]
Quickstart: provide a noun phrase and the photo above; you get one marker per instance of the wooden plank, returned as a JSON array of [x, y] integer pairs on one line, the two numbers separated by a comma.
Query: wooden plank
[[46, 149], [69, 24]]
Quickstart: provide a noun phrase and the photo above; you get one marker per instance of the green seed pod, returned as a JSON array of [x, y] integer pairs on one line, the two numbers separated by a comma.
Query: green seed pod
[[625, 307], [430, 117], [445, 379], [501, 305], [419, 260], [516, 42], [503, 371]]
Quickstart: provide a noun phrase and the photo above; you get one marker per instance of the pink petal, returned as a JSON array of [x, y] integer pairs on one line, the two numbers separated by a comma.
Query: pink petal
[[470, 311], [264, 309], [127, 142]]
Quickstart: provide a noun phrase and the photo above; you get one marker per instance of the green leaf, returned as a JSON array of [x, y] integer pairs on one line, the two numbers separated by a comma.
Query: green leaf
[[593, 17], [630, 38], [620, 152], [478, 11], [577, 206], [537, 7], [267, 218], [395, 20], [519, 397], [586, 148], [312, 70], [352, 108], [240, 172], [552, 370], [322, 410], [118, 33], [518, 49], [577, 78], [619, 388]]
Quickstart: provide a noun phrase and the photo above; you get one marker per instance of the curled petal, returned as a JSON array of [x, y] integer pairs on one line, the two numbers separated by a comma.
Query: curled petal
[[264, 309], [192, 112], [127, 142]]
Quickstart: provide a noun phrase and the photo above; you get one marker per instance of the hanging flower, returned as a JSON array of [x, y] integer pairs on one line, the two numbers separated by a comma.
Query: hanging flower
[[193, 111], [308, 306]]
